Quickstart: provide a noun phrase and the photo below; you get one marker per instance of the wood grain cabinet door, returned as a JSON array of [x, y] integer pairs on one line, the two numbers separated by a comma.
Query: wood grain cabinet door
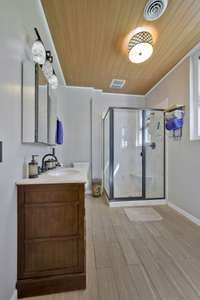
[[49, 220], [52, 257], [51, 230]]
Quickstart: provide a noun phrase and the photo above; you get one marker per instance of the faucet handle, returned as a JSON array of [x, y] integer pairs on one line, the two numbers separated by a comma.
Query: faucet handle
[[39, 170], [53, 151]]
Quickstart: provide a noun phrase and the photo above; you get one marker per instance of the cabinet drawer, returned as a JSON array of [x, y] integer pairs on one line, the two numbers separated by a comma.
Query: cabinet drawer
[[53, 193], [55, 256], [51, 219]]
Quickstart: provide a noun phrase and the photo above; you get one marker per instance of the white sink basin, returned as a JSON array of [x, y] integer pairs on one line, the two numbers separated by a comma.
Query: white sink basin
[[63, 172]]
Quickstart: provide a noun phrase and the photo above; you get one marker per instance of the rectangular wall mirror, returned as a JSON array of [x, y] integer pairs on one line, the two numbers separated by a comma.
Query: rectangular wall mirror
[[41, 106], [28, 102]]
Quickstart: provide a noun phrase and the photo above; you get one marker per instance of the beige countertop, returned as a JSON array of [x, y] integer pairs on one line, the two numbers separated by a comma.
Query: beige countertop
[[58, 175]]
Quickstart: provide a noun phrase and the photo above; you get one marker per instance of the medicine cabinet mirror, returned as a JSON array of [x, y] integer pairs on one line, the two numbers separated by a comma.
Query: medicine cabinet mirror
[[28, 102], [39, 106]]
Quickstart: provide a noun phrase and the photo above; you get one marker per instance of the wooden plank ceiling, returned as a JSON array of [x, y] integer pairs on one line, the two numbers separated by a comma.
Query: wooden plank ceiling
[[90, 39]]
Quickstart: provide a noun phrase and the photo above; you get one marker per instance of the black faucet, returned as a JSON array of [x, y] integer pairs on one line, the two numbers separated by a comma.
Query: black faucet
[[53, 154]]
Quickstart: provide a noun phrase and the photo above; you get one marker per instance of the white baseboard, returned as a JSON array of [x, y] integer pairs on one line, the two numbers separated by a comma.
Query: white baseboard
[[106, 198], [14, 295], [137, 203], [184, 213]]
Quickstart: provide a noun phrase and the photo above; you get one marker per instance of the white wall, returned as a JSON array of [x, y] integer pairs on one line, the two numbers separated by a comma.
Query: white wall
[[184, 155], [78, 105], [75, 107], [17, 20]]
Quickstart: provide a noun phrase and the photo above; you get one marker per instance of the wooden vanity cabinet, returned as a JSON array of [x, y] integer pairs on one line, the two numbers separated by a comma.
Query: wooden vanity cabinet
[[51, 238]]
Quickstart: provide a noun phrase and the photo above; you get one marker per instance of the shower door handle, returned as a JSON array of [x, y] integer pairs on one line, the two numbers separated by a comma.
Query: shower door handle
[[153, 145]]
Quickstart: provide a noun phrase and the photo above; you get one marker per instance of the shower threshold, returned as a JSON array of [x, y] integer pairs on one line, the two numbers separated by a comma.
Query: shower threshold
[[124, 202]]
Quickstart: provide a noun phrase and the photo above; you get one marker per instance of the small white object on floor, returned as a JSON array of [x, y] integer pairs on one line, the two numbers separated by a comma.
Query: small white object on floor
[[142, 214]]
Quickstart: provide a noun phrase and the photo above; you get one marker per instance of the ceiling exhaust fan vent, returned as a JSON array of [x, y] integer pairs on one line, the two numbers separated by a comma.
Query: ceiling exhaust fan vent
[[154, 9], [117, 83]]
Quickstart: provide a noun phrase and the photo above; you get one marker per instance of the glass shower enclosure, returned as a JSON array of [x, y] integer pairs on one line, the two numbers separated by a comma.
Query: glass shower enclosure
[[134, 154]]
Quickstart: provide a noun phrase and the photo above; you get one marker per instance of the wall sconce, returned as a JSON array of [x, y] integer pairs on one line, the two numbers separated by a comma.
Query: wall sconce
[[44, 58]]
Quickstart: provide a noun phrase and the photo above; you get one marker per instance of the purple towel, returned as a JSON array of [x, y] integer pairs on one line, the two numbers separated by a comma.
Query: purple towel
[[59, 133]]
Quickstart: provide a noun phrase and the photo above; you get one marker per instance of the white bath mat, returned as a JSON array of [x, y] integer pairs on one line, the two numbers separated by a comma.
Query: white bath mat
[[142, 214]]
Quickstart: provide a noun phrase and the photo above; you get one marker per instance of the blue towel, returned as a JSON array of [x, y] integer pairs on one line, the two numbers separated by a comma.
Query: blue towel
[[59, 133], [174, 123]]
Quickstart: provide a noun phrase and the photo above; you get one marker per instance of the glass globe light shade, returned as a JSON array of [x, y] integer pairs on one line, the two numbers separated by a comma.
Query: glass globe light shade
[[47, 69], [140, 52], [38, 52], [53, 81]]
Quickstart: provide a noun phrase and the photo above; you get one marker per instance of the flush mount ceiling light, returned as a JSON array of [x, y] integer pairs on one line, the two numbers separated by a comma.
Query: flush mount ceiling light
[[154, 9], [38, 52], [140, 47]]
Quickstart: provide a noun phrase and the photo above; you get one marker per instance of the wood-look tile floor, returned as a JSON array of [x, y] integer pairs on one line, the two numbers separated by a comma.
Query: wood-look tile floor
[[138, 261]]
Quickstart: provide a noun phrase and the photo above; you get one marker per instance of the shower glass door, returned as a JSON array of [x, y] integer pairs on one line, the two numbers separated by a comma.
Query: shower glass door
[[154, 154], [128, 150], [134, 154], [106, 156]]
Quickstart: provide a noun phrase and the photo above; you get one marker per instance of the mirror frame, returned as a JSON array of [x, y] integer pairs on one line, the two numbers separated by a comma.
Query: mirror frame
[[23, 100], [50, 99], [37, 66]]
